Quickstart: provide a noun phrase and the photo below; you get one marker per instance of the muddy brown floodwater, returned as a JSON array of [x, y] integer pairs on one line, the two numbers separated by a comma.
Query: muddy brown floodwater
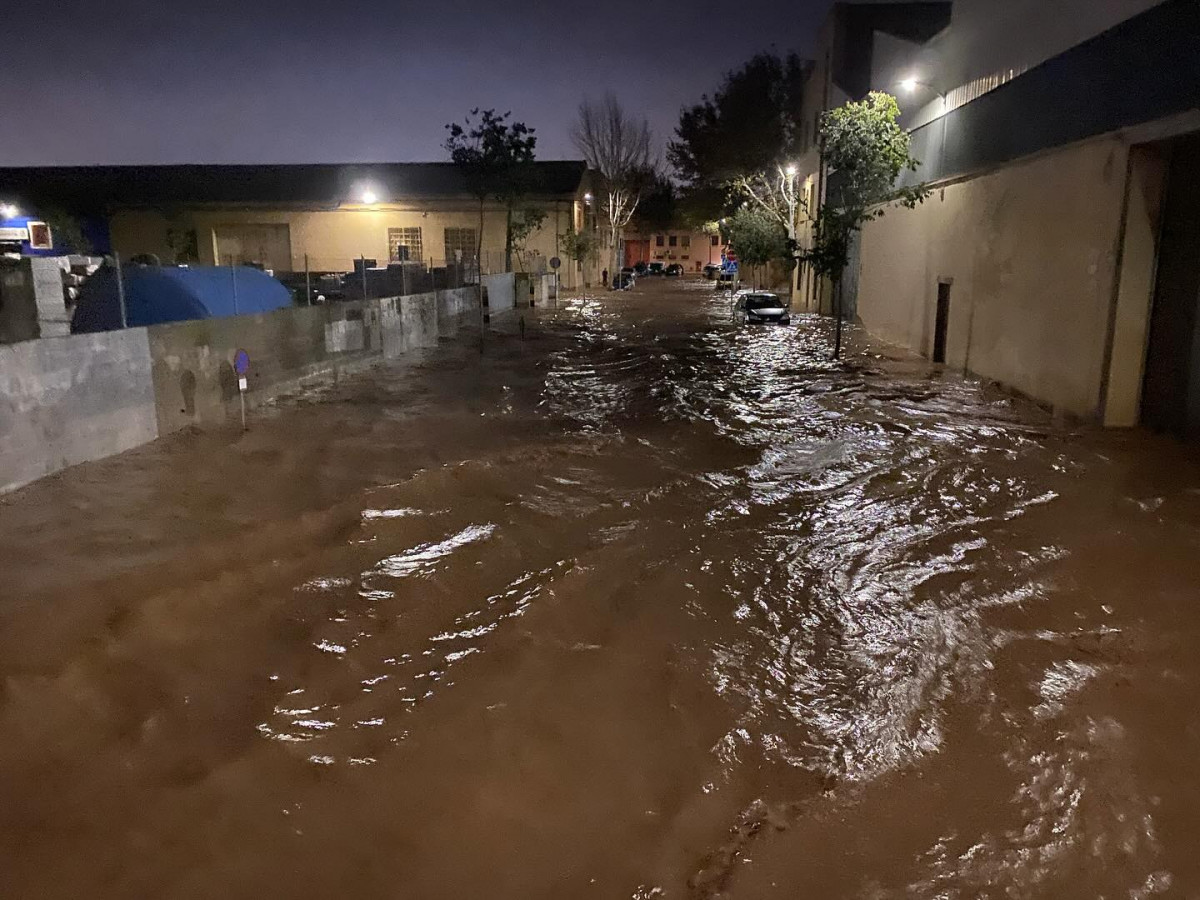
[[647, 605]]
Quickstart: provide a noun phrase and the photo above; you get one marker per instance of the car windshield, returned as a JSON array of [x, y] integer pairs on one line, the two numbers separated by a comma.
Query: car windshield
[[763, 301]]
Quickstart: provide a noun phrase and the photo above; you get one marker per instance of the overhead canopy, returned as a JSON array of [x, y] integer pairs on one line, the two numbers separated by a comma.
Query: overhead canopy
[[158, 294]]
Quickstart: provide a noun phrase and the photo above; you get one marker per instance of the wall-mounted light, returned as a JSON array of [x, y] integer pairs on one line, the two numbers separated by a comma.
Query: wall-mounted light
[[8, 211], [911, 84], [587, 198], [369, 197]]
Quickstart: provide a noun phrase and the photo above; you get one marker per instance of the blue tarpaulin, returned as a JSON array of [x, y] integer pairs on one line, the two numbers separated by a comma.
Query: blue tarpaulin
[[158, 294]]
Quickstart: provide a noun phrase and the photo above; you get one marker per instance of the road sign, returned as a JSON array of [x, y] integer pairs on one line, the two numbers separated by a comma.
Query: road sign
[[241, 362], [555, 262]]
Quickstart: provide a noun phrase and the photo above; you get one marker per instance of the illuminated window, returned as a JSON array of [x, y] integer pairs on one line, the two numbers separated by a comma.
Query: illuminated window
[[461, 240], [404, 244]]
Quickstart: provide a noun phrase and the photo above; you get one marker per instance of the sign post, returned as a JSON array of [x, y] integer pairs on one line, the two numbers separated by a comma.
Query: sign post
[[555, 262], [241, 365]]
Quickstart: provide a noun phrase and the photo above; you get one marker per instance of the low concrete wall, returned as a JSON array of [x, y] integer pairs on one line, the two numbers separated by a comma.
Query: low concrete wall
[[67, 400], [194, 378], [455, 308], [500, 291]]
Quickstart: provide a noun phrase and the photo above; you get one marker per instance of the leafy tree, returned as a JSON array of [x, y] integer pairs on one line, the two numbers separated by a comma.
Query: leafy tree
[[524, 225], [659, 209], [737, 140], [757, 238], [866, 151], [66, 232], [617, 147], [580, 246], [496, 158]]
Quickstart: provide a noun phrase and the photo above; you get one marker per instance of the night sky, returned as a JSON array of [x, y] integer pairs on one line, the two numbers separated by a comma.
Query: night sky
[[132, 81]]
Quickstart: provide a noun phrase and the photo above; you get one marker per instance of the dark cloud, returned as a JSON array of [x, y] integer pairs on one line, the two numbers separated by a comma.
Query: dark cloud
[[352, 80]]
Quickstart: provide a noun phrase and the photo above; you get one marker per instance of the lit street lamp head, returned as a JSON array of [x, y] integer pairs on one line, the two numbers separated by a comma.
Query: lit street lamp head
[[369, 197], [8, 211], [791, 171]]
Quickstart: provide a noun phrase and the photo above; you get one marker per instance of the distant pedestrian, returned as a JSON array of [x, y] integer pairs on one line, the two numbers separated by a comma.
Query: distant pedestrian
[[604, 277]]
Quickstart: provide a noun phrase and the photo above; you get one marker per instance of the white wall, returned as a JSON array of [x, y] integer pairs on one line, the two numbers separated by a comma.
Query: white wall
[[1031, 251]]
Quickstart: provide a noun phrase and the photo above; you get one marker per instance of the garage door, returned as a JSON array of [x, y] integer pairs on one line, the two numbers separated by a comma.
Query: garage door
[[267, 245]]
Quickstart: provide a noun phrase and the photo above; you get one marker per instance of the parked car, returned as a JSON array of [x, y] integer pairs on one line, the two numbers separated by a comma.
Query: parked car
[[763, 308], [655, 268], [630, 271], [640, 269], [623, 281], [712, 271], [674, 270]]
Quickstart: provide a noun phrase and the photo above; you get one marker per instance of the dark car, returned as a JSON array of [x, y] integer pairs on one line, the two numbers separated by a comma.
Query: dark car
[[655, 268], [712, 271], [640, 269], [623, 281], [674, 270], [763, 308]]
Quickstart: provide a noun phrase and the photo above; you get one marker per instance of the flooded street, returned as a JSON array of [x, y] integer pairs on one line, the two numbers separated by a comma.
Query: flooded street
[[645, 605]]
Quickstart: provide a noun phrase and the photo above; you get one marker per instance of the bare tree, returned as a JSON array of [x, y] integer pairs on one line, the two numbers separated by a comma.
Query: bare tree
[[617, 147]]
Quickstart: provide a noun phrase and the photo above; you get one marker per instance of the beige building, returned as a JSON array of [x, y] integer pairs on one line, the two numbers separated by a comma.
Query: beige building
[[1059, 253], [321, 217], [691, 249]]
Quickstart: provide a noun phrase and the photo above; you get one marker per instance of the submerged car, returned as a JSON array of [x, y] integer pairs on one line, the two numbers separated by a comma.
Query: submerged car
[[763, 308]]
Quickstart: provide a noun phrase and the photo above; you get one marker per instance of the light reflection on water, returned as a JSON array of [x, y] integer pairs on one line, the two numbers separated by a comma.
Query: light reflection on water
[[677, 609]]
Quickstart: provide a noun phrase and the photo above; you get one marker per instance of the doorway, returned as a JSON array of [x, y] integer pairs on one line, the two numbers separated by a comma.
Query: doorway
[[1171, 386], [942, 323]]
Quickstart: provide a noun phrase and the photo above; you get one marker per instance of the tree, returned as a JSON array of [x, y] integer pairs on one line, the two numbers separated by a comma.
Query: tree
[[66, 232], [522, 226], [757, 238], [617, 147], [496, 159], [736, 141], [866, 152], [580, 246]]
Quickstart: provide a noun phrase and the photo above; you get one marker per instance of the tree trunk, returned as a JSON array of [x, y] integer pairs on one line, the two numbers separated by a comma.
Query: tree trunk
[[508, 244], [479, 246], [837, 304]]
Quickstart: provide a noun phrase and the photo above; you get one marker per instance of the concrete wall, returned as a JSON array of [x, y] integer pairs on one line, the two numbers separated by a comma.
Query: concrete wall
[[67, 400], [194, 378], [501, 291], [1030, 252]]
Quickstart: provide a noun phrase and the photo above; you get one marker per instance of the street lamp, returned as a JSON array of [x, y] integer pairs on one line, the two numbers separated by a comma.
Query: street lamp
[[791, 171], [8, 211], [587, 198], [910, 85], [369, 197]]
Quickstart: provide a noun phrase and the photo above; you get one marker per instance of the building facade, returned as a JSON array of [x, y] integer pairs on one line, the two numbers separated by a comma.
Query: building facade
[[691, 249], [320, 218], [1059, 253]]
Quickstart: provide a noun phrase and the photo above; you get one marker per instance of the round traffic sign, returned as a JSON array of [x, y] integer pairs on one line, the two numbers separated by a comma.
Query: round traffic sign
[[555, 262]]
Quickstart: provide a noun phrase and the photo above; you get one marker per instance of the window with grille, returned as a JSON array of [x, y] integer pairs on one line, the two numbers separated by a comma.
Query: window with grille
[[716, 241], [404, 244], [461, 239], [685, 241], [658, 240], [672, 240]]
